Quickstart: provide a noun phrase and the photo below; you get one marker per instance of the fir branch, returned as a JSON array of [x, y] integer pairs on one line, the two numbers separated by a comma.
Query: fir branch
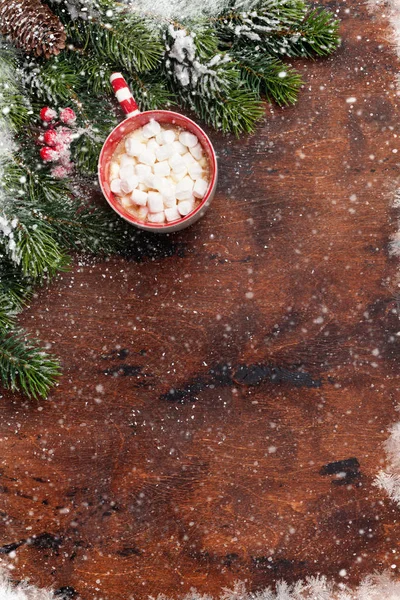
[[38, 252], [60, 211], [280, 28], [239, 22], [53, 81], [268, 76], [14, 292], [91, 229], [151, 90], [25, 367], [210, 84], [16, 107], [319, 35], [237, 113], [120, 38]]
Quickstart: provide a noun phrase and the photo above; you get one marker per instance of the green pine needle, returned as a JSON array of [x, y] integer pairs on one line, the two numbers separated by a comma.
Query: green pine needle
[[14, 292], [124, 41], [51, 81], [268, 76], [40, 255], [25, 367], [282, 29], [237, 114]]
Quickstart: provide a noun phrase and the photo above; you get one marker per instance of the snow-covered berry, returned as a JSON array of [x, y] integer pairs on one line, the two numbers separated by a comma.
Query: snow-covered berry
[[68, 166], [59, 172], [48, 114], [67, 115], [50, 137], [49, 154], [64, 135]]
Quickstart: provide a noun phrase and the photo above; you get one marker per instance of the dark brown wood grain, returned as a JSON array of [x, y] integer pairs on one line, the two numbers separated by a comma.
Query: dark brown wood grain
[[217, 381]]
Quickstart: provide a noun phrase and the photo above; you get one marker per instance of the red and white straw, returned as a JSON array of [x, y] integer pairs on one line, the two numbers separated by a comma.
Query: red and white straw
[[124, 95]]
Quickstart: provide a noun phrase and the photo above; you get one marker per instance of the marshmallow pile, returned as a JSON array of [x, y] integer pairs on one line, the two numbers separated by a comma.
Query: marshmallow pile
[[159, 174]]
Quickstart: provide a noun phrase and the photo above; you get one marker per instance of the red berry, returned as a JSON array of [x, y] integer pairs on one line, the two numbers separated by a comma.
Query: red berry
[[47, 114], [67, 115], [64, 135], [48, 154], [50, 137]]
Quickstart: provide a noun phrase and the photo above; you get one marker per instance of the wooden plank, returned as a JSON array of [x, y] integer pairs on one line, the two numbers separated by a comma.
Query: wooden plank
[[214, 378]]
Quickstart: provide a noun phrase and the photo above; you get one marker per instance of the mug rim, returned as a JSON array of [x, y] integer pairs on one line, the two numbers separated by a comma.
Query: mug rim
[[160, 226]]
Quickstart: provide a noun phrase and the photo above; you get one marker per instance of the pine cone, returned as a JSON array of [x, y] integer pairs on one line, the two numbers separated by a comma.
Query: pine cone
[[32, 26]]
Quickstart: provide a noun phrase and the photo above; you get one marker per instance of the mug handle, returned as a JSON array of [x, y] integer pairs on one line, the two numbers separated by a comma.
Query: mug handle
[[124, 95]]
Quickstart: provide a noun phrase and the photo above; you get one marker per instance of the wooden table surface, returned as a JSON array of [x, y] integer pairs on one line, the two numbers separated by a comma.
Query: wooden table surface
[[212, 377]]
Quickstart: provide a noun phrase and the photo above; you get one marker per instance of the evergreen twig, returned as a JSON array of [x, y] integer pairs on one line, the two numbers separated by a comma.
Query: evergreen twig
[[25, 367]]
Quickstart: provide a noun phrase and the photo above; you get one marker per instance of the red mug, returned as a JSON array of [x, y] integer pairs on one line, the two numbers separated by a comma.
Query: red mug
[[134, 120]]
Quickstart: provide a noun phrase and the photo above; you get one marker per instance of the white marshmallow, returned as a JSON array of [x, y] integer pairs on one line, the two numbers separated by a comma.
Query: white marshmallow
[[137, 135], [142, 187], [139, 212], [148, 180], [203, 162], [196, 151], [127, 171], [134, 147], [147, 157], [159, 138], [200, 188], [152, 145], [188, 159], [139, 197], [142, 213], [151, 129], [195, 171], [115, 186], [114, 170], [159, 183], [184, 189], [188, 139], [179, 175], [142, 171], [176, 163], [155, 202], [156, 217], [179, 148], [129, 184], [164, 152], [185, 207], [168, 136], [168, 193], [126, 160], [172, 213], [169, 201], [162, 168], [126, 201]]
